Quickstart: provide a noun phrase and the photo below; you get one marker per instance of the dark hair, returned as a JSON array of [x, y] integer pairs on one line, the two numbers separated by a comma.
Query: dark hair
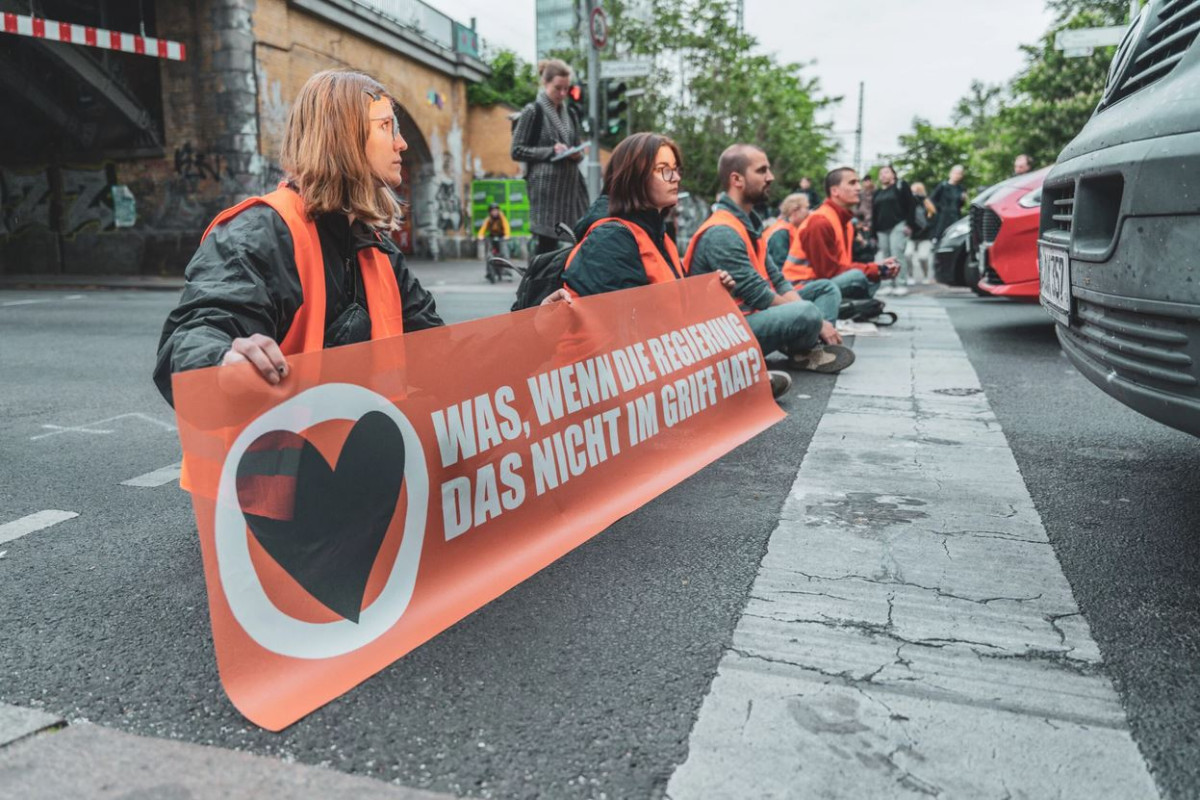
[[834, 178], [895, 174], [735, 159], [629, 171]]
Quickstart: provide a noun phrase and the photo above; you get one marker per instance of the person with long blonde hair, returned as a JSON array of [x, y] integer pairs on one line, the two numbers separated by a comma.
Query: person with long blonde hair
[[309, 265]]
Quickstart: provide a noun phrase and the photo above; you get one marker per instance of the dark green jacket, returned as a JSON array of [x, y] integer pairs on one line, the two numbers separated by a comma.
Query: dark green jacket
[[608, 258], [243, 280], [722, 248], [778, 245]]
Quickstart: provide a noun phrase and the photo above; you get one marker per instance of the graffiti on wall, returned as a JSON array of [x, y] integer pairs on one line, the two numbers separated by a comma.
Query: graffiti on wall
[[195, 165], [24, 200], [66, 200], [442, 182], [87, 200]]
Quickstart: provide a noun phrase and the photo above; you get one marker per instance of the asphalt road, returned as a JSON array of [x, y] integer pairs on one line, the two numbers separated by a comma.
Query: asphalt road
[[1118, 496], [584, 681]]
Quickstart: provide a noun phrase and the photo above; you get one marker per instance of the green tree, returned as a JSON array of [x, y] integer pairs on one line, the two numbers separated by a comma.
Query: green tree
[[1041, 109], [930, 151], [513, 81]]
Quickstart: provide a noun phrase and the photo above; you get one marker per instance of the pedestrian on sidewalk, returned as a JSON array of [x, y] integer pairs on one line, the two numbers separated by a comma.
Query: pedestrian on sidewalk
[[731, 239], [545, 131], [920, 244], [309, 265], [947, 198], [892, 221]]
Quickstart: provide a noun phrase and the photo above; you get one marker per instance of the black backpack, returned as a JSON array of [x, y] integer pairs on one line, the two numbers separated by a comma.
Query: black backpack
[[535, 132], [866, 310], [542, 278]]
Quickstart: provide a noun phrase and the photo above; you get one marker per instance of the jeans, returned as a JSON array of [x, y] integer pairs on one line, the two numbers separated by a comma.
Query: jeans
[[789, 328], [854, 285], [825, 295], [892, 244], [920, 255]]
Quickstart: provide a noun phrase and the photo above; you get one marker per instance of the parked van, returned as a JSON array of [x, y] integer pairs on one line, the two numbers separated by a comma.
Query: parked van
[[1119, 232]]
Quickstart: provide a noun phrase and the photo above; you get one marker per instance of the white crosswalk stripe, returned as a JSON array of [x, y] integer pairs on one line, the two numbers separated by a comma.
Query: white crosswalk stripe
[[910, 632]]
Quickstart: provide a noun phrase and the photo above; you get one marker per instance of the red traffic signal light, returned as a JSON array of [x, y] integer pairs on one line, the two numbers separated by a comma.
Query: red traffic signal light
[[575, 92]]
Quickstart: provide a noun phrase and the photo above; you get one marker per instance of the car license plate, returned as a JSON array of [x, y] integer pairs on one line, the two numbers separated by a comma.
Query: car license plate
[[1054, 271]]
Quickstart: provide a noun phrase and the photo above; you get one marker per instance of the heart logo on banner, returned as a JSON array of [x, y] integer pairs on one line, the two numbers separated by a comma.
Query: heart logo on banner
[[324, 525]]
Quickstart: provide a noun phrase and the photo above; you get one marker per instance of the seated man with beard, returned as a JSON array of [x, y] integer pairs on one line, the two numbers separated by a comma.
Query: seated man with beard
[[731, 240]]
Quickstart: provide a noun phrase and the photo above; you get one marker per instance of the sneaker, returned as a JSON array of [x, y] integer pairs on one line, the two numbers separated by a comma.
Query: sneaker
[[780, 382], [900, 291], [849, 327], [826, 358], [884, 291], [911, 282]]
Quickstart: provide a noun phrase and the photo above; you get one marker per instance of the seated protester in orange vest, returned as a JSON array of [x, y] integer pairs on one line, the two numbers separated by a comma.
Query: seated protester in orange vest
[[731, 240], [779, 235], [309, 265], [826, 241], [623, 242]]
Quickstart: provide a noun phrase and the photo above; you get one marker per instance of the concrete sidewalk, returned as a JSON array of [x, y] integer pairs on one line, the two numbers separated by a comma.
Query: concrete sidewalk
[[44, 758]]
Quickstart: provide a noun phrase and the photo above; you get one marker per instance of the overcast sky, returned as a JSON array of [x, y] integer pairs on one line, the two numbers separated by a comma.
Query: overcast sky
[[916, 57]]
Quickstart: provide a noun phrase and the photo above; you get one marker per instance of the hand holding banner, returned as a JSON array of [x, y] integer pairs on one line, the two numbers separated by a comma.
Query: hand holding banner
[[386, 490]]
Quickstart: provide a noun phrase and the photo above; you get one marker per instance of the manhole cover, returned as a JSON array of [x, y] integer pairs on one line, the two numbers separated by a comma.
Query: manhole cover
[[958, 392]]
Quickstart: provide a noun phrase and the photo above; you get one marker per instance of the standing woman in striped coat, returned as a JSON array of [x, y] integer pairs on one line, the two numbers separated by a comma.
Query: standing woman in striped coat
[[546, 128]]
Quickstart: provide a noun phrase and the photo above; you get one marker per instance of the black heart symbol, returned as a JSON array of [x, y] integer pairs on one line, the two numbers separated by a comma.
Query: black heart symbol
[[324, 526]]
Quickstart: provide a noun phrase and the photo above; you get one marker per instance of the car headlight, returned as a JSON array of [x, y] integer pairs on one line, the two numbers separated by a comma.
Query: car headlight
[[1031, 199], [960, 228]]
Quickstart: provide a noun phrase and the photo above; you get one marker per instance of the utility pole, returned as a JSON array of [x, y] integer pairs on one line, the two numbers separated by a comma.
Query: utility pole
[[858, 132], [593, 73]]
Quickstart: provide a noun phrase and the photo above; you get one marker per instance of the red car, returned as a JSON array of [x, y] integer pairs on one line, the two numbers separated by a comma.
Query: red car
[[1004, 233]]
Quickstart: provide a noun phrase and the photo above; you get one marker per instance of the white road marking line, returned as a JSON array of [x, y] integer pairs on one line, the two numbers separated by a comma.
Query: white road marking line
[[910, 632], [9, 303], [88, 427], [156, 478], [33, 522], [73, 297]]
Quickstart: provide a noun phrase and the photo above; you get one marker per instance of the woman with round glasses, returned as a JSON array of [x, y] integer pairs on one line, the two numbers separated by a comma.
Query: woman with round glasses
[[630, 247], [309, 265]]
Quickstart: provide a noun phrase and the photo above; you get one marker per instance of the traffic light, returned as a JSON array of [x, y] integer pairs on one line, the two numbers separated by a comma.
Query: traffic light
[[577, 97], [615, 106]]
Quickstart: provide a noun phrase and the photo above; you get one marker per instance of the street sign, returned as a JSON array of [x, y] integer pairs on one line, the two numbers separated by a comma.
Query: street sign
[[1088, 38], [1078, 52], [624, 69], [599, 28]]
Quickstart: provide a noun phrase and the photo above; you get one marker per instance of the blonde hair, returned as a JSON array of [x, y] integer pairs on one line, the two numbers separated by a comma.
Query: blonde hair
[[930, 208], [551, 68], [792, 203], [324, 149]]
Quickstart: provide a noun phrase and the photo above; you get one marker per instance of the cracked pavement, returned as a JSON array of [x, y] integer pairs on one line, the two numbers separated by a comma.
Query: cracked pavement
[[910, 631]]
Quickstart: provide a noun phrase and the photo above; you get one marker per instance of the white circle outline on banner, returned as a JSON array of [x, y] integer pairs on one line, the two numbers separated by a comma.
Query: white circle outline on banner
[[251, 607]]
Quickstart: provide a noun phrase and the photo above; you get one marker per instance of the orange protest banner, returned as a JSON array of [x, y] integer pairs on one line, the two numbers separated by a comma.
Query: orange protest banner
[[385, 490]]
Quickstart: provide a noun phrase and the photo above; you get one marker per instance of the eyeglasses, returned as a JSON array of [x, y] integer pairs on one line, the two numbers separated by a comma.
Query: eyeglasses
[[395, 126], [668, 174]]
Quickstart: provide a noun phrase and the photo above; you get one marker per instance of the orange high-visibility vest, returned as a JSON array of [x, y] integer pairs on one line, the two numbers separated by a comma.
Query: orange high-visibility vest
[[656, 267], [775, 227], [796, 268], [757, 255], [845, 241], [307, 331]]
